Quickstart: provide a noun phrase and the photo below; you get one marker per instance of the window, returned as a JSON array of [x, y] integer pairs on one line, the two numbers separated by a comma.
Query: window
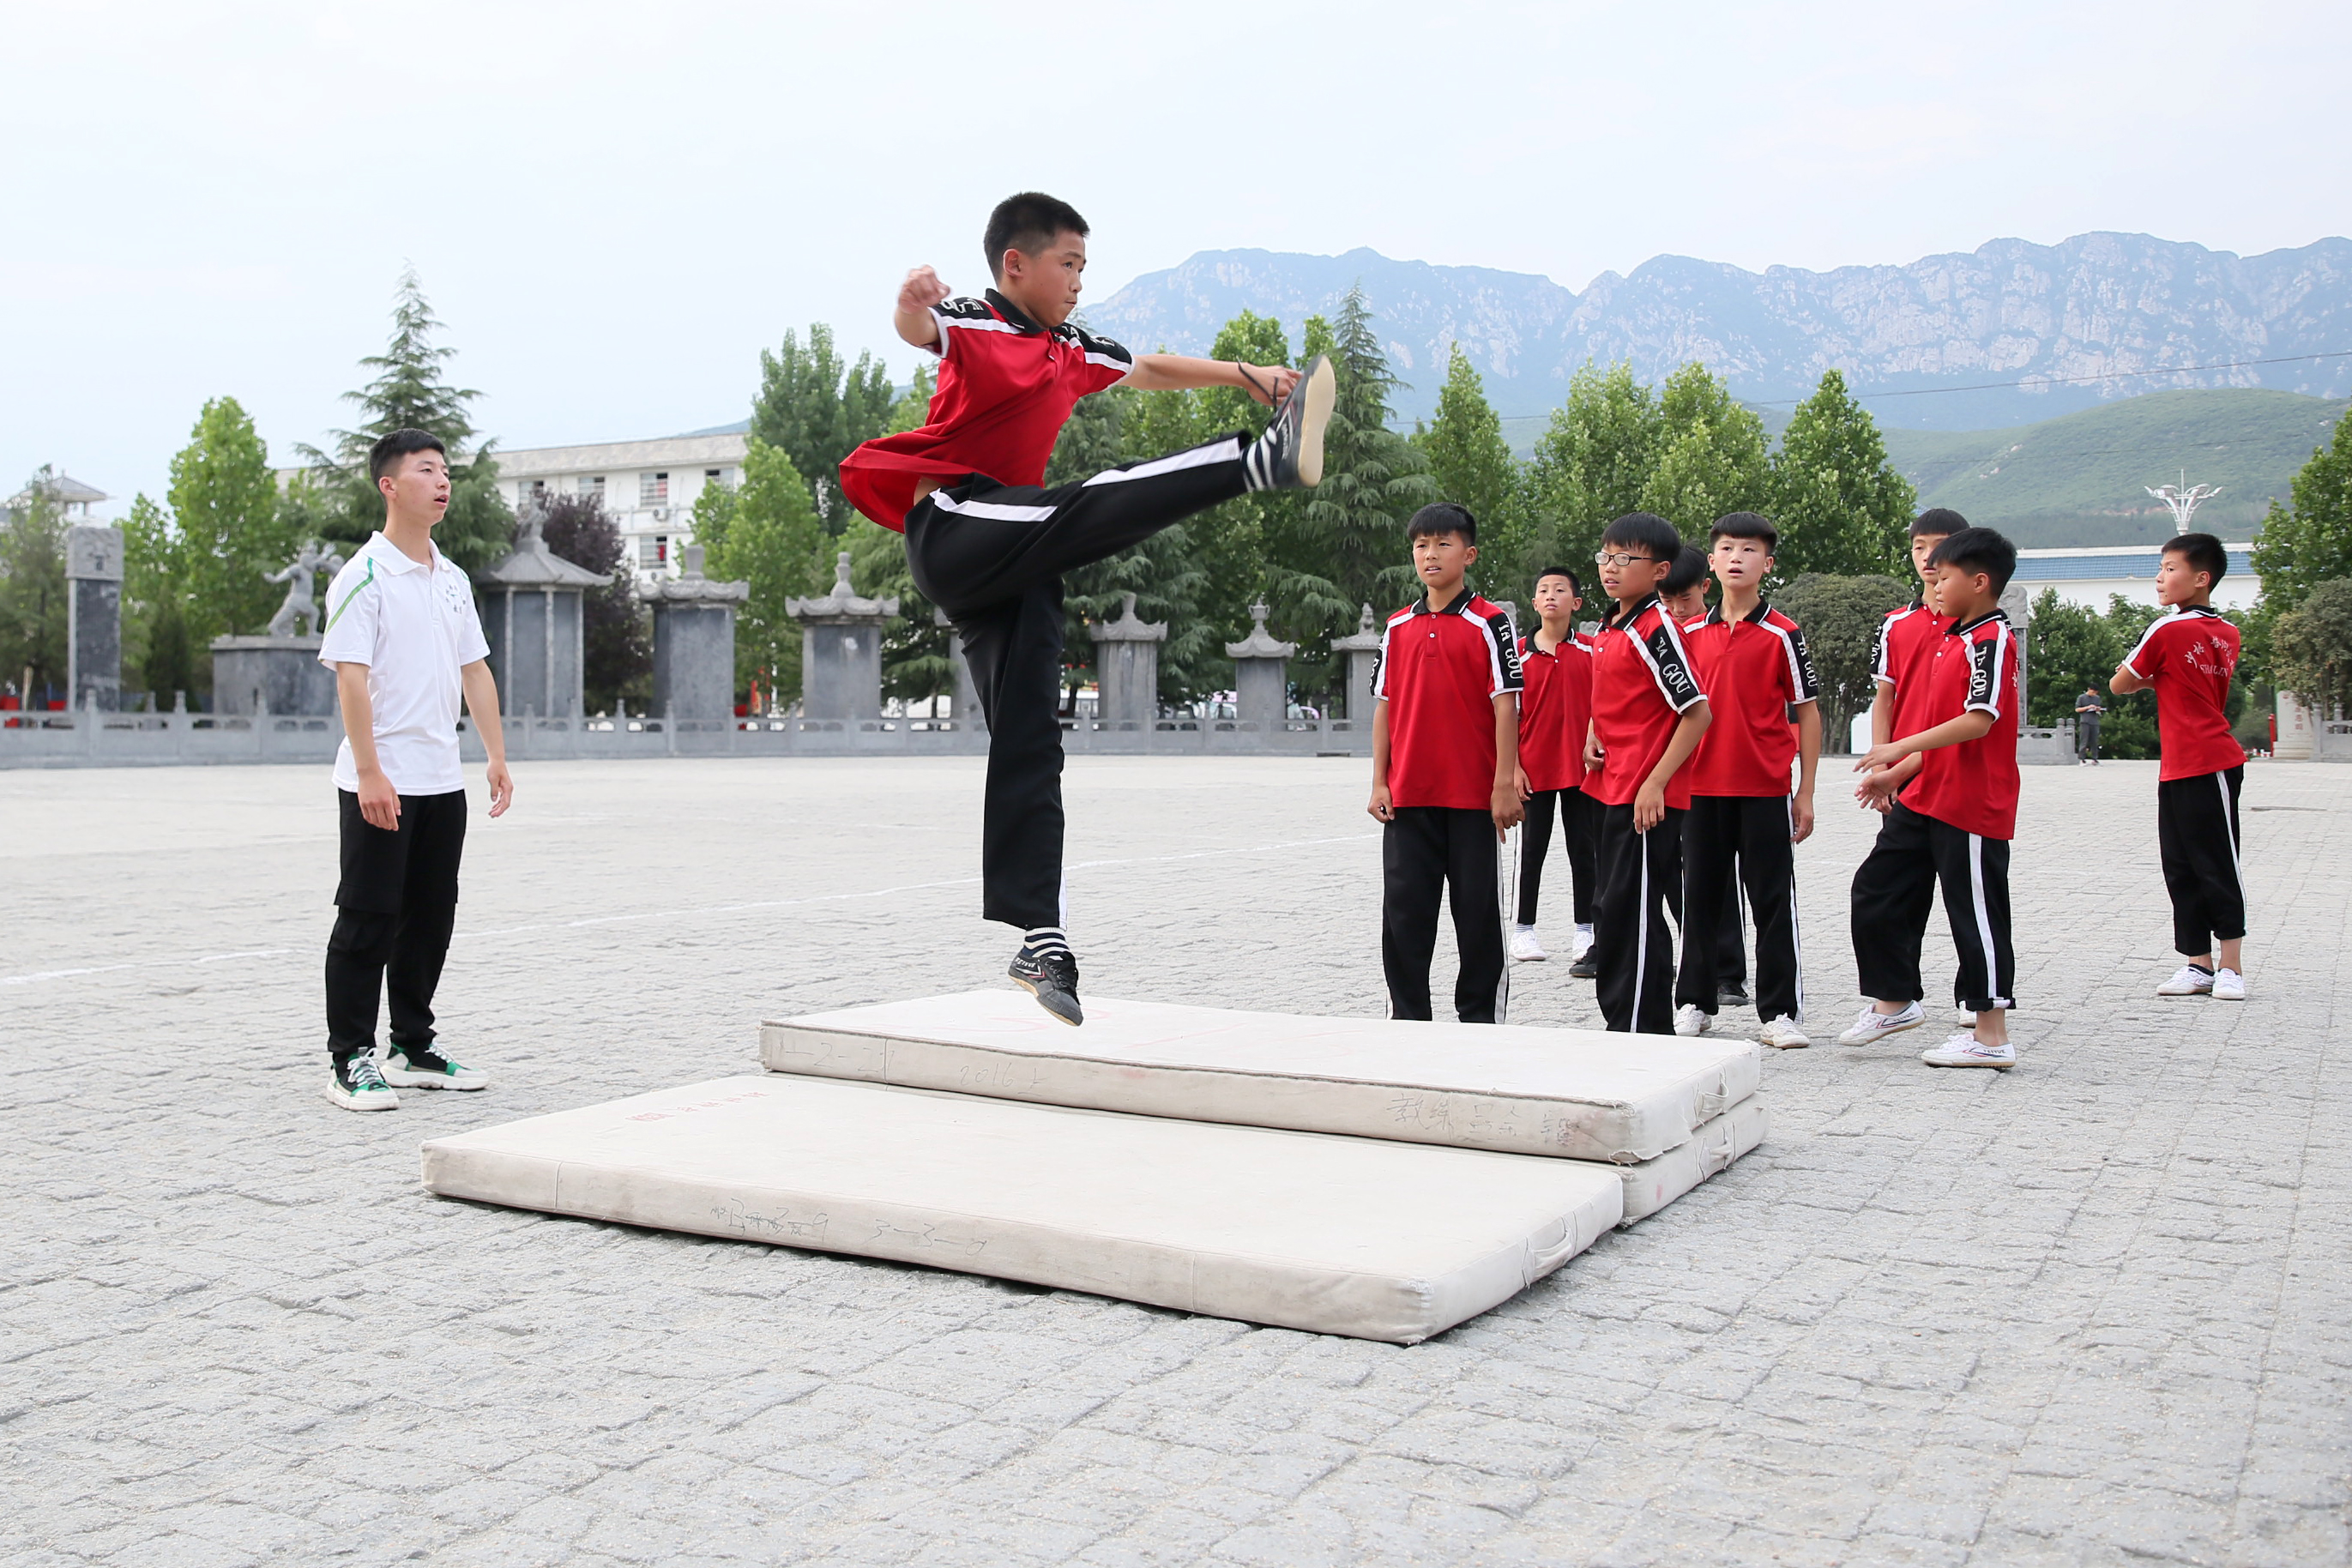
[[591, 485], [710, 476], [654, 550], [653, 490]]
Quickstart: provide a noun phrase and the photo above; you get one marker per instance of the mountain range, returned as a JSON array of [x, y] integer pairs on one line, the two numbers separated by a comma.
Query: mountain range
[[1928, 344]]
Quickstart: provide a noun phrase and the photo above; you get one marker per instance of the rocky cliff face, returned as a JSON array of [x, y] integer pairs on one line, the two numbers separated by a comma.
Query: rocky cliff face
[[2098, 306]]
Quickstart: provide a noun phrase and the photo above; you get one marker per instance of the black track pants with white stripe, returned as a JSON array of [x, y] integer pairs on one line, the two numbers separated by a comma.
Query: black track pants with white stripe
[[992, 556], [1578, 816], [1429, 852], [2197, 832], [1630, 943], [1751, 831], [1893, 889]]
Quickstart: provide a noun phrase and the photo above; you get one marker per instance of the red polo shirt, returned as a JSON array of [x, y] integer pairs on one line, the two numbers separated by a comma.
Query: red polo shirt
[[2191, 656], [1908, 640], [1554, 709], [1752, 671], [1440, 671], [1641, 685], [1006, 388], [1973, 785]]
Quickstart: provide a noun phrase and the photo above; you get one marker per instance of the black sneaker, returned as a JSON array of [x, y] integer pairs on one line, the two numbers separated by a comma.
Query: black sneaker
[[358, 1085], [1585, 968], [1732, 996], [421, 1066], [1289, 455], [1053, 979]]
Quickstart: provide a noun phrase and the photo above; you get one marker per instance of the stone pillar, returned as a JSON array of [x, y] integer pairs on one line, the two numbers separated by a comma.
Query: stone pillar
[[1363, 651], [272, 675], [2019, 608], [94, 617], [967, 714], [533, 607], [841, 650], [2298, 732], [1261, 675], [694, 642], [1127, 669]]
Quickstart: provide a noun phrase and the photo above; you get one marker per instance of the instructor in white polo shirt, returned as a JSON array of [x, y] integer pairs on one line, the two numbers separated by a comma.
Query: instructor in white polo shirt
[[405, 642]]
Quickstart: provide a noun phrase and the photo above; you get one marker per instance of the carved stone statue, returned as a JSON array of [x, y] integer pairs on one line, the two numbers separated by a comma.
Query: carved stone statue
[[300, 604]]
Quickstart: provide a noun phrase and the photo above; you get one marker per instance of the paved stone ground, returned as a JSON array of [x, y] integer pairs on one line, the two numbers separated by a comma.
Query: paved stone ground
[[2093, 1311]]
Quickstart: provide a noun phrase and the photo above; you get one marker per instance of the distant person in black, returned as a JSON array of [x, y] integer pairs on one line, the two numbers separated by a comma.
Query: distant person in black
[[2087, 709]]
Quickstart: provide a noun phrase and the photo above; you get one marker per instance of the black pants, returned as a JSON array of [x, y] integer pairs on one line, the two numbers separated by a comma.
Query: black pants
[[1731, 962], [394, 908], [1580, 818], [1893, 889], [1630, 944], [992, 556], [2086, 739], [2197, 832], [1426, 853], [1747, 837]]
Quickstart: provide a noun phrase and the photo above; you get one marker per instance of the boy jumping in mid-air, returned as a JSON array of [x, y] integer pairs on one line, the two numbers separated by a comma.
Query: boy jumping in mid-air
[[986, 543], [2188, 658], [1554, 711]]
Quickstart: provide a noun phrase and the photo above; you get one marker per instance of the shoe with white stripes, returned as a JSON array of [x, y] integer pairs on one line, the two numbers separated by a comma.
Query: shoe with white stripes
[[1874, 1025], [2190, 980], [1525, 946], [2228, 986], [1289, 455], [1967, 1051]]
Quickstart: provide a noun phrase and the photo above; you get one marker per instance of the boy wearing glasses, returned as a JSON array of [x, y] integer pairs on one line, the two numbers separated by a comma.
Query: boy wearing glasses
[[1648, 713]]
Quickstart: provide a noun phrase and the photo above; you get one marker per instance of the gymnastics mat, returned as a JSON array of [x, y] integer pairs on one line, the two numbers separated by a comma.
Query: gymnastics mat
[[1512, 1089], [1342, 1236], [1653, 1184]]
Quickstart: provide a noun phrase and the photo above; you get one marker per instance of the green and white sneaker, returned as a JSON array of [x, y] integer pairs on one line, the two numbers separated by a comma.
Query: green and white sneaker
[[358, 1085], [421, 1066]]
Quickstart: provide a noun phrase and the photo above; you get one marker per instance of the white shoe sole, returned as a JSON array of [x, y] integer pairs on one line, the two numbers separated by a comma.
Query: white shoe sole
[[1322, 394], [1531, 958], [401, 1077], [1780, 1045], [336, 1097], [1969, 1062]]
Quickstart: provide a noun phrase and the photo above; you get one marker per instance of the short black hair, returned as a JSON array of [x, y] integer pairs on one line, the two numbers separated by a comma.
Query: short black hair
[[1646, 531], [1688, 571], [1746, 525], [1979, 550], [2204, 552], [1938, 520], [1443, 517], [1575, 583], [1029, 224], [387, 454]]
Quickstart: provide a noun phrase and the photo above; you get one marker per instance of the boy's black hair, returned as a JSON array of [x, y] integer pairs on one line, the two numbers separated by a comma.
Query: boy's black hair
[[1940, 520], [2204, 552], [1027, 223], [1746, 525], [387, 454], [1443, 517], [1575, 583], [1651, 534], [1979, 550], [1688, 571]]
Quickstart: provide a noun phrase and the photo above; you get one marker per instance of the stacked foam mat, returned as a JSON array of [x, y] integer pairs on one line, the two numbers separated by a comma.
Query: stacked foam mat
[[1379, 1179]]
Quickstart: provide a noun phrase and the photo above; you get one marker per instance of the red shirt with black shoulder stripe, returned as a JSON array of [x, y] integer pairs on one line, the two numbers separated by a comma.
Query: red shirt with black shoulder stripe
[[2191, 656], [1907, 639], [1753, 670], [1554, 709], [1641, 685], [1440, 671], [1973, 785]]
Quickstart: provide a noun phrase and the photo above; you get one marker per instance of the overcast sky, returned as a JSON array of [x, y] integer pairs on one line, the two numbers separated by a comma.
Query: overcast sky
[[613, 206]]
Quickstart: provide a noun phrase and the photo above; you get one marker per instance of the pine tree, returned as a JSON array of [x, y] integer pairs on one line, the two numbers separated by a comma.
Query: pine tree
[[814, 409], [1710, 455], [1841, 509], [1471, 466]]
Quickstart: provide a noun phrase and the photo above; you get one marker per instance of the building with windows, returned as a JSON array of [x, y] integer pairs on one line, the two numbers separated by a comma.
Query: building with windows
[[2091, 576], [648, 488]]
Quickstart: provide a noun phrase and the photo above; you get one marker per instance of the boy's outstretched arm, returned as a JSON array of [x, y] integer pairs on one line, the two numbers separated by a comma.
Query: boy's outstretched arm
[[1973, 725], [913, 319], [1269, 383]]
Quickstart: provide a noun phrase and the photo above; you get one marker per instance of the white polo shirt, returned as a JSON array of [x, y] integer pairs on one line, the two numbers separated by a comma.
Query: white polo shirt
[[415, 628]]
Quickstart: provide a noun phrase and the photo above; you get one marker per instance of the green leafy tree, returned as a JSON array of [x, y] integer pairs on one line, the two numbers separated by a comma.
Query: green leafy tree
[[768, 533], [2309, 540], [616, 640], [1592, 463], [814, 408], [2069, 647], [1841, 509], [914, 660], [229, 536], [33, 590], [409, 392], [1840, 617], [2313, 646], [1472, 464], [1710, 455], [913, 409], [162, 655]]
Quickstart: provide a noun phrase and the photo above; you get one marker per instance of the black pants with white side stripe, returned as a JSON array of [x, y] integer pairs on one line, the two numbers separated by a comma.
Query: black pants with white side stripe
[[1630, 943], [1580, 816], [1428, 853], [1748, 833], [1893, 889], [2197, 832], [992, 556], [396, 904]]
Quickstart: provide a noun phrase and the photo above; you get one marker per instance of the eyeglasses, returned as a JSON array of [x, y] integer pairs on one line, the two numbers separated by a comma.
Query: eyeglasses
[[1619, 558]]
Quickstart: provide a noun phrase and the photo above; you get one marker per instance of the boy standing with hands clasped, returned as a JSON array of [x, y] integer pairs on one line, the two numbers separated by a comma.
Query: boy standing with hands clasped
[[2188, 658], [1445, 771], [1950, 792], [1555, 710], [1648, 713], [405, 642]]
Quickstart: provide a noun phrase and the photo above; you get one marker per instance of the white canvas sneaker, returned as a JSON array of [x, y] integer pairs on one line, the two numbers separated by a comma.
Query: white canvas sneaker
[[1783, 1033], [2191, 981], [2228, 986], [1874, 1025], [1525, 948], [1964, 1051], [1690, 1019]]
